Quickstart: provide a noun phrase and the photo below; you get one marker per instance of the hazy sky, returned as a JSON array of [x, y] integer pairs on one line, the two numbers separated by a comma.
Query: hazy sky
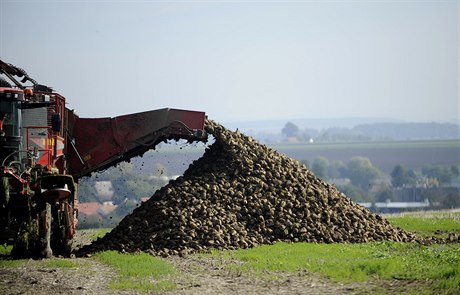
[[242, 60]]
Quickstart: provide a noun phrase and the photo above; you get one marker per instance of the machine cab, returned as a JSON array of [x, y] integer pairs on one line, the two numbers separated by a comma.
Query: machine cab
[[10, 125], [30, 128]]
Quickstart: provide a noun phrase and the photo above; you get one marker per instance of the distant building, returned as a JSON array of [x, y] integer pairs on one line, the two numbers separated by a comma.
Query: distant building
[[418, 194], [96, 209], [88, 209], [390, 207], [104, 190], [106, 208]]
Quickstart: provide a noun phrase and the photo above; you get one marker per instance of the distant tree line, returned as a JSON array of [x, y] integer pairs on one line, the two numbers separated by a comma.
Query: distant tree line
[[363, 182], [377, 131]]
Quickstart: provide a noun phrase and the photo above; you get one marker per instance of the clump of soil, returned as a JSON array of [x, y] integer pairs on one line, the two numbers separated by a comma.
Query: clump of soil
[[242, 194]]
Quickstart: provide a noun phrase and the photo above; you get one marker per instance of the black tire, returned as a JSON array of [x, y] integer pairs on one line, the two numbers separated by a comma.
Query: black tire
[[60, 243]]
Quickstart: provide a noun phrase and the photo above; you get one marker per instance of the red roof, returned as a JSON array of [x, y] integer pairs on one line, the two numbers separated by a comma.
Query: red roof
[[89, 208]]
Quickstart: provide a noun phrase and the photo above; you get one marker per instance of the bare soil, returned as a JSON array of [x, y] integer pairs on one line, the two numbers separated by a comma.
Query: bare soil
[[197, 275]]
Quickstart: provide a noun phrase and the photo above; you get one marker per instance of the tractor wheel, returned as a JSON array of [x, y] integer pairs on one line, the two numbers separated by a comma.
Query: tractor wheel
[[44, 230], [60, 241], [4, 199]]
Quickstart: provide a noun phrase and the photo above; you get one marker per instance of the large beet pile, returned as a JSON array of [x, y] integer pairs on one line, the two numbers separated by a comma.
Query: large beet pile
[[241, 194]]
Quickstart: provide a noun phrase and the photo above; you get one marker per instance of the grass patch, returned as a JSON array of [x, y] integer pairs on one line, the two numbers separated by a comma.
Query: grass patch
[[5, 249], [142, 272], [59, 263], [12, 263], [48, 263], [94, 234], [355, 262], [437, 224]]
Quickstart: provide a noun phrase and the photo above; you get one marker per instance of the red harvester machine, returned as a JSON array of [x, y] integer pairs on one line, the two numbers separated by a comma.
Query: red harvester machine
[[45, 148]]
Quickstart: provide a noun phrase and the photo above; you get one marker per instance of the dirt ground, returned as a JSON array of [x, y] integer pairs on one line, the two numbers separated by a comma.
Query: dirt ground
[[198, 275]]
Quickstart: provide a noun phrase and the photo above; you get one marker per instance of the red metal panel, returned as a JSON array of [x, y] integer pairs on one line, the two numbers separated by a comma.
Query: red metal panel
[[102, 142]]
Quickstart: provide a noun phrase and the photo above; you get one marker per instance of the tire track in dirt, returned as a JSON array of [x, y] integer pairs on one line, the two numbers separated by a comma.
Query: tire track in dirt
[[88, 277], [203, 275]]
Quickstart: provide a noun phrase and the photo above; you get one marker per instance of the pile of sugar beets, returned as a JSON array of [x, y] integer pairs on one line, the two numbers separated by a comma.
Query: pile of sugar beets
[[241, 194]]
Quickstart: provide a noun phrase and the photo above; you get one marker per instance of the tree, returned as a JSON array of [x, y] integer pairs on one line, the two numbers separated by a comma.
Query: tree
[[320, 167], [441, 173], [87, 191], [455, 170], [126, 207], [452, 201], [397, 176], [362, 173], [142, 188], [336, 169], [290, 130], [355, 193], [385, 194], [400, 176]]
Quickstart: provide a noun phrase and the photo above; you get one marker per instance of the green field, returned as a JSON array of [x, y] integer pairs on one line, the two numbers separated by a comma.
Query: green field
[[347, 263], [414, 144], [385, 155], [427, 269], [439, 263], [436, 267], [141, 271], [425, 224]]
